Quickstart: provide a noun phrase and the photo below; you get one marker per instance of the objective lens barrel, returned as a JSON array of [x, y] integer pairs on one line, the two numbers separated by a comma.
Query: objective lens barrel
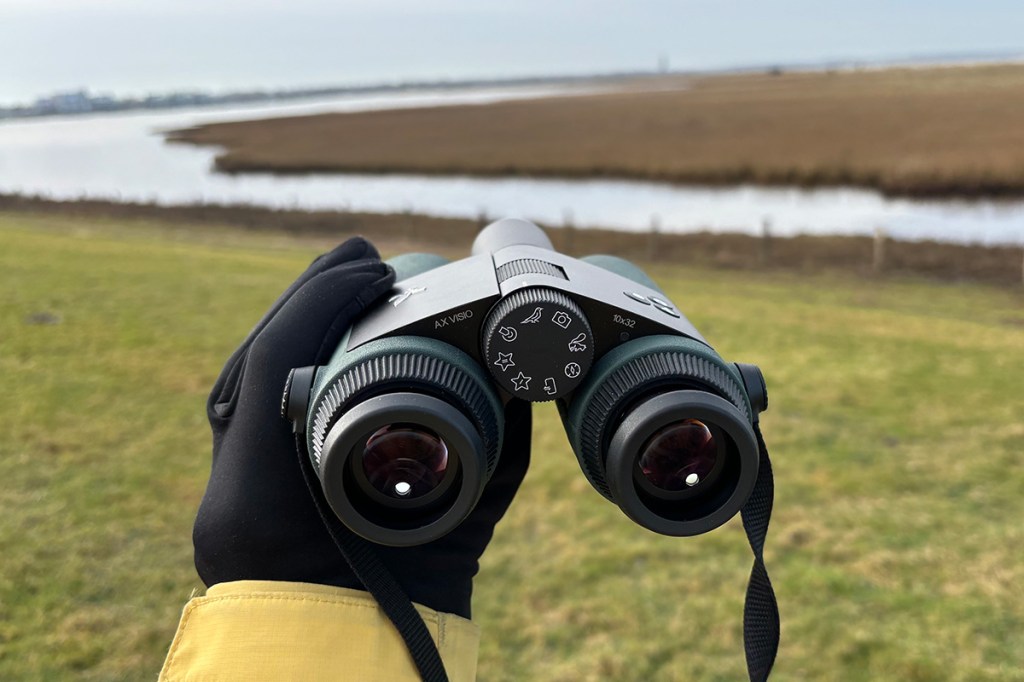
[[510, 232]]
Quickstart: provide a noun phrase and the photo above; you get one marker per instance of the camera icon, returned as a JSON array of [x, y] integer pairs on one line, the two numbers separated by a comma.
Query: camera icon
[[562, 319]]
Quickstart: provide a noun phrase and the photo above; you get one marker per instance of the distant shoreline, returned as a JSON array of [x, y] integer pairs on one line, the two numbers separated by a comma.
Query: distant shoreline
[[183, 100], [82, 102], [938, 133], [993, 265]]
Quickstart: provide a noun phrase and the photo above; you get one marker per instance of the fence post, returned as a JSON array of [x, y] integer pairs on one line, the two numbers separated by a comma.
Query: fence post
[[652, 237], [764, 249], [569, 230], [878, 253], [409, 223]]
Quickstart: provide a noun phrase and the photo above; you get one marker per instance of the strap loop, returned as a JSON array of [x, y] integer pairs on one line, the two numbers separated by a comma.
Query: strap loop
[[760, 610], [378, 581]]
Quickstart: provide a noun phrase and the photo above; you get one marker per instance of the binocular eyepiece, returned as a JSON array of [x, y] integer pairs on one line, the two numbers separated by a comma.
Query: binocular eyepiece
[[404, 424]]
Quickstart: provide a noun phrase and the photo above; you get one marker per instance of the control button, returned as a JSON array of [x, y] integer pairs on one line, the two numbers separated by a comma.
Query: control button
[[667, 311], [660, 302], [639, 298], [295, 400], [529, 339]]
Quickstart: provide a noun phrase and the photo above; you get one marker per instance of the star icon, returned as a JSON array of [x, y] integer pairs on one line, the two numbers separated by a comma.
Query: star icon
[[521, 382], [505, 361]]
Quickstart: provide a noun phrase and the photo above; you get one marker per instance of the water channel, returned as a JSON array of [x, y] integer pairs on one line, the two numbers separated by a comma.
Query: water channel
[[123, 156]]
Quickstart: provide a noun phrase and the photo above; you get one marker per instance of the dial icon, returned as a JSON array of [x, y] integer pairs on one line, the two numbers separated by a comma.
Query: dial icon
[[577, 345], [505, 361], [521, 382], [534, 317], [561, 319]]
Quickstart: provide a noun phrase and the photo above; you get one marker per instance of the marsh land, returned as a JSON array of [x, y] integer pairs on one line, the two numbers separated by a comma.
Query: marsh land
[[938, 132]]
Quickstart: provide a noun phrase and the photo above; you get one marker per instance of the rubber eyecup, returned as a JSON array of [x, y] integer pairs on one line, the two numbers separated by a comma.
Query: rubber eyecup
[[389, 519], [709, 503]]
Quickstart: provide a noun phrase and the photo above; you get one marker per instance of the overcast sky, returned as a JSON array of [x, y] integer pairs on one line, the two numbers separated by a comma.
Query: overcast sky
[[139, 46]]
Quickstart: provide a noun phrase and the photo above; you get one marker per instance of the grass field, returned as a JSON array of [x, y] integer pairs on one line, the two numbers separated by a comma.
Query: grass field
[[895, 426], [917, 132]]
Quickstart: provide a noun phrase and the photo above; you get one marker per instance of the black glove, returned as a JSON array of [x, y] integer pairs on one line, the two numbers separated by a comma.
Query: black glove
[[257, 520]]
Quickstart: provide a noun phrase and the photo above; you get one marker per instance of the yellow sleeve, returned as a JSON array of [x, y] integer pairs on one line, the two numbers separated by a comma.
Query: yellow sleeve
[[261, 630]]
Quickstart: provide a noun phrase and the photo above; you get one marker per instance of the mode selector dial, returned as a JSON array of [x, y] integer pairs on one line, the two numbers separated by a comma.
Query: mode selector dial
[[538, 344]]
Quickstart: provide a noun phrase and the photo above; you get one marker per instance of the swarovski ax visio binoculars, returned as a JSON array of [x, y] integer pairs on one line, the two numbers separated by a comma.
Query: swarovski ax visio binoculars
[[404, 424]]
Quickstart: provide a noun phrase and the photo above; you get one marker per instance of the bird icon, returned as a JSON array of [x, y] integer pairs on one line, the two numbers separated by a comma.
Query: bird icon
[[535, 317], [400, 297]]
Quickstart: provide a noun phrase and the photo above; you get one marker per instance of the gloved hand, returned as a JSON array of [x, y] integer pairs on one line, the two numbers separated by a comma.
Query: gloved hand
[[257, 520]]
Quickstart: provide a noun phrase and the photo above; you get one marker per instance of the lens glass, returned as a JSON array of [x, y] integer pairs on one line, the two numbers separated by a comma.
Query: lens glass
[[679, 456], [405, 461]]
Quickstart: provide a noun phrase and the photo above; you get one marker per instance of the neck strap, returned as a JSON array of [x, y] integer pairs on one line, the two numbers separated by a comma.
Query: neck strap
[[760, 610]]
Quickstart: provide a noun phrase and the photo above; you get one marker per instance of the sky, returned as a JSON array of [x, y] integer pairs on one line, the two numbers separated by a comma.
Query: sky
[[132, 47]]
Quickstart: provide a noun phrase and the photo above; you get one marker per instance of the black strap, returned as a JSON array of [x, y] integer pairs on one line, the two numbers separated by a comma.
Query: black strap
[[378, 581], [760, 611]]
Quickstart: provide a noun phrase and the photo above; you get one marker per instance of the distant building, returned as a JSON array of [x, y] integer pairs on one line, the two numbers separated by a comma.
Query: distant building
[[75, 102]]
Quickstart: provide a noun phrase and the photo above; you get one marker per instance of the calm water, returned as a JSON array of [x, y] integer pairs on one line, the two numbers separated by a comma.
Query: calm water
[[123, 156]]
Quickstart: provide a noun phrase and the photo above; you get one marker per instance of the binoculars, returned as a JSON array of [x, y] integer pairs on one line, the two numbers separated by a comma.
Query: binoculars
[[404, 424]]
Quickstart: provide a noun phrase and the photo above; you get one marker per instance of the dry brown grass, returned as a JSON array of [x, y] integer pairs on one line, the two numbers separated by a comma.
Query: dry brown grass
[[936, 132]]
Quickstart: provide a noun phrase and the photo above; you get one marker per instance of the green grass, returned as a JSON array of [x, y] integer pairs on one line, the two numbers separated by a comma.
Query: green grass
[[897, 547]]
